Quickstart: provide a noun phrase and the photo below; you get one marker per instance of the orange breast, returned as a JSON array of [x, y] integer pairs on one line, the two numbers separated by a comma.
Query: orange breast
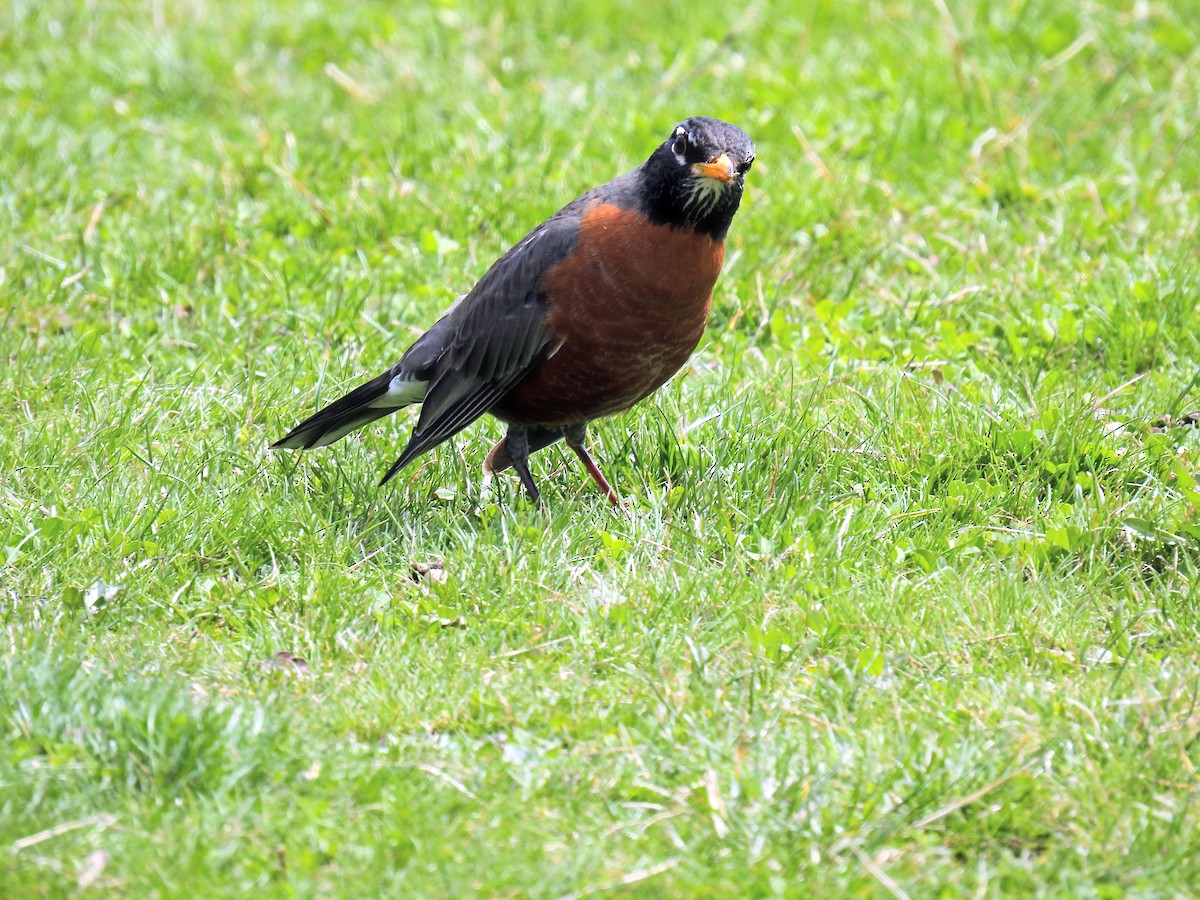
[[630, 305]]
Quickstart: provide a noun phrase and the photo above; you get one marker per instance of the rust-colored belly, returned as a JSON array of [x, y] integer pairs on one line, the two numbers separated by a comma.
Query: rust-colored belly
[[629, 306]]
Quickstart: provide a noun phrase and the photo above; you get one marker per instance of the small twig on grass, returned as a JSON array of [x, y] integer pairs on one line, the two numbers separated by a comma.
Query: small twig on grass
[[449, 779], [627, 879], [811, 155], [881, 876], [104, 820], [523, 650], [1132, 381], [994, 637], [970, 798]]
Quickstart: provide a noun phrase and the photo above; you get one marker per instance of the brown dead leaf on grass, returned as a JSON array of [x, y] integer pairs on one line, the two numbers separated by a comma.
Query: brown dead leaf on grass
[[433, 571], [287, 662]]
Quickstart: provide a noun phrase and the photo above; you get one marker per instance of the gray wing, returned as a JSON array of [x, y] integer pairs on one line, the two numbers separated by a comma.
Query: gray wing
[[490, 339]]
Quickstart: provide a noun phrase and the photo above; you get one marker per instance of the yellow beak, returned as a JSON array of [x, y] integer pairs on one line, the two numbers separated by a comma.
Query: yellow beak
[[720, 168]]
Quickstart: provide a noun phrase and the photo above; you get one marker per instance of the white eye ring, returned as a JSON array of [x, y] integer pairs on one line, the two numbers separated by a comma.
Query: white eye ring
[[680, 144]]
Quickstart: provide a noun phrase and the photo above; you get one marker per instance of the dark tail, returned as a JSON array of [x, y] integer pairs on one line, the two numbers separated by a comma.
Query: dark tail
[[366, 403]]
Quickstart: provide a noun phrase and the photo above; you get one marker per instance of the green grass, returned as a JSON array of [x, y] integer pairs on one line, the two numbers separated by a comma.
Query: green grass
[[905, 601]]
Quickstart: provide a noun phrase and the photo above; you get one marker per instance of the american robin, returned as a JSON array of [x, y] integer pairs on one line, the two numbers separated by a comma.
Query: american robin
[[592, 311]]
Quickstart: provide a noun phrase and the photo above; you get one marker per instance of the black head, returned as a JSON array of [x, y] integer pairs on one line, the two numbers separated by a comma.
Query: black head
[[695, 179]]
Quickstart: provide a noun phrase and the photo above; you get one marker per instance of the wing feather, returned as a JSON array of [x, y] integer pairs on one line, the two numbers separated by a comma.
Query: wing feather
[[473, 355], [493, 337]]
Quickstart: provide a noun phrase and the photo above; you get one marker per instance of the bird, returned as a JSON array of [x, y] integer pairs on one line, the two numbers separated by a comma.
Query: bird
[[589, 313]]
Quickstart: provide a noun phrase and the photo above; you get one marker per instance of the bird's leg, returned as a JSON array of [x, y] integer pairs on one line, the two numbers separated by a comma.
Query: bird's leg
[[513, 450], [574, 435]]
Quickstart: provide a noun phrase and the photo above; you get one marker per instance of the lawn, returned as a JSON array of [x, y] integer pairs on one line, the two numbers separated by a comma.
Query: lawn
[[905, 597]]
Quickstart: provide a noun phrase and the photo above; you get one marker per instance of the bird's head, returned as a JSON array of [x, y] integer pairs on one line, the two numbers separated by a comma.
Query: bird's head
[[696, 177]]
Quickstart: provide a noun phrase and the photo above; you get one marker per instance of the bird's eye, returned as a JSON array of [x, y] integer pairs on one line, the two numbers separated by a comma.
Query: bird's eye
[[743, 168], [679, 145]]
